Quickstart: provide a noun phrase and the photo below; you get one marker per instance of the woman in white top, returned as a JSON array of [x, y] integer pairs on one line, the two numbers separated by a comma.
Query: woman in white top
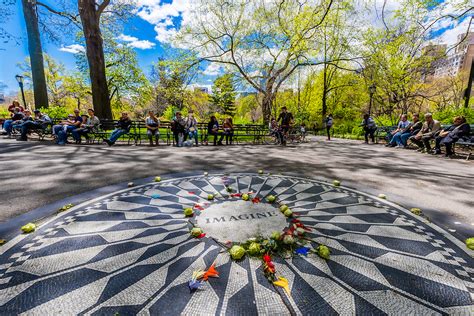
[[191, 128], [152, 128]]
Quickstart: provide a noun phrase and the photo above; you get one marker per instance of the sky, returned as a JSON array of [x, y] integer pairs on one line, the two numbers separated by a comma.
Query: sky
[[148, 31]]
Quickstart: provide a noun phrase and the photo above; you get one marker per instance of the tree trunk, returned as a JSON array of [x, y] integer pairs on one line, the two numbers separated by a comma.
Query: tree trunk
[[36, 54], [90, 19], [324, 107], [267, 107]]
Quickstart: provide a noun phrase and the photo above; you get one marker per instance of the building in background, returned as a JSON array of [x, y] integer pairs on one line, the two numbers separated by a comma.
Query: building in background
[[460, 60]]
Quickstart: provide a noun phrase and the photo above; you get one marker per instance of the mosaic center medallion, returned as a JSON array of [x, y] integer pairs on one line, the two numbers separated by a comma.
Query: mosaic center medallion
[[240, 220]]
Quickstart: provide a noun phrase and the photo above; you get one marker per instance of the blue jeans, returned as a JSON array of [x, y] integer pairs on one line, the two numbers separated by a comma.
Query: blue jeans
[[404, 138], [396, 140], [7, 126], [194, 135], [116, 134], [62, 135]]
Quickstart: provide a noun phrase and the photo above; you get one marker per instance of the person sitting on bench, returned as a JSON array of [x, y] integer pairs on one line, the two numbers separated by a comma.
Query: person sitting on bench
[[16, 118], [177, 127], [451, 135], [90, 124], [122, 127], [213, 129], [402, 127], [41, 121], [427, 132]]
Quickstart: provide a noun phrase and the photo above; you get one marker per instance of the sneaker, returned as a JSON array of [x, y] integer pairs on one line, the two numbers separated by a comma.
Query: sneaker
[[436, 152], [421, 150]]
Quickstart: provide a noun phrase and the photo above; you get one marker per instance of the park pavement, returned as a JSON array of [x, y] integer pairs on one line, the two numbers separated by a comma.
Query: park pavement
[[34, 174]]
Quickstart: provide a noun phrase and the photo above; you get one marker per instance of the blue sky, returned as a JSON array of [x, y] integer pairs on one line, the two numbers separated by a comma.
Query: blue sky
[[153, 24]]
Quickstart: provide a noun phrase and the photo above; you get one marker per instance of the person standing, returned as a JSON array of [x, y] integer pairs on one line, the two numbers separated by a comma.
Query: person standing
[[329, 122], [286, 119], [370, 127], [152, 124]]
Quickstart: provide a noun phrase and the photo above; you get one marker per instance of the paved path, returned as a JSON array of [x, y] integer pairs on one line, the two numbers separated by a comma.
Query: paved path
[[35, 174], [130, 252]]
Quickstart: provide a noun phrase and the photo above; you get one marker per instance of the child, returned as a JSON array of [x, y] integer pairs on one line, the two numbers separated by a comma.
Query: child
[[303, 131]]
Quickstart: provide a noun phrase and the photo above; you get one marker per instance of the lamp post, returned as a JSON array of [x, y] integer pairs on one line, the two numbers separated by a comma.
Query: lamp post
[[372, 90], [19, 79]]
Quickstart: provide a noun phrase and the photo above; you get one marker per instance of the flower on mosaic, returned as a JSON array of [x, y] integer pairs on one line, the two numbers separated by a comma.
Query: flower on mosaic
[[245, 196], [28, 228], [288, 213], [288, 240], [297, 223], [65, 207], [283, 208], [210, 273], [271, 198], [188, 212], [198, 207], [323, 251], [302, 251], [283, 283], [191, 192], [210, 197], [275, 235], [260, 171], [382, 196], [130, 184], [254, 249], [194, 283], [236, 195], [2, 241], [470, 243], [256, 200], [416, 211], [228, 189], [196, 232], [336, 183], [157, 179], [237, 252]]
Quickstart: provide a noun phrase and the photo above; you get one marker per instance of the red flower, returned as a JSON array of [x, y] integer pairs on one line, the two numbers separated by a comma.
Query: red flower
[[256, 200], [267, 258]]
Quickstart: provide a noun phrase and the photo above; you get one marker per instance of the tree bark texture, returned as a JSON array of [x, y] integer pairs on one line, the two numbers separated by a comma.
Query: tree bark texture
[[90, 19], [36, 54]]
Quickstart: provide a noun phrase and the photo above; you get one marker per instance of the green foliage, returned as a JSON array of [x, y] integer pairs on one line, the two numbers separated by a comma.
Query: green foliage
[[223, 95], [55, 112]]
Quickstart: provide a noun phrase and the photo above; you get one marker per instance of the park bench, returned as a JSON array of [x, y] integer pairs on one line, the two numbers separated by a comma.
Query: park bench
[[382, 132]]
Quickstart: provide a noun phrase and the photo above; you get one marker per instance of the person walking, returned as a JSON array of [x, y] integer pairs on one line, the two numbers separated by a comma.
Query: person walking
[[329, 122], [368, 123]]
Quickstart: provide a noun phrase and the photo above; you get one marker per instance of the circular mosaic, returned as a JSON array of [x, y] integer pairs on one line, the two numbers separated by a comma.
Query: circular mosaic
[[131, 252]]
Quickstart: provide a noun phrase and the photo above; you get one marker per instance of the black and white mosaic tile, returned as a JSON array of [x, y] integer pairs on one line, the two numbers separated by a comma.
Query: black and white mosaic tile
[[131, 253]]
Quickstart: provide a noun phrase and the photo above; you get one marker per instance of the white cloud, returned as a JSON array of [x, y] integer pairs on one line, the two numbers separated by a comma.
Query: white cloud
[[161, 15], [450, 36], [212, 70], [134, 42], [73, 49]]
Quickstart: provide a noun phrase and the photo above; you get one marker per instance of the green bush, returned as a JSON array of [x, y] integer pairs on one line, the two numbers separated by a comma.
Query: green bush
[[55, 112]]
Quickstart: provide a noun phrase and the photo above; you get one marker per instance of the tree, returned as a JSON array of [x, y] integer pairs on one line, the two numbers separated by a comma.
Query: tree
[[90, 13], [262, 42], [223, 94], [36, 53]]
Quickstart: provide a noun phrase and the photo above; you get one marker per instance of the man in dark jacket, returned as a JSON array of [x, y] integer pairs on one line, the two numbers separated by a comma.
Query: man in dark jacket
[[451, 135], [178, 127], [122, 127]]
